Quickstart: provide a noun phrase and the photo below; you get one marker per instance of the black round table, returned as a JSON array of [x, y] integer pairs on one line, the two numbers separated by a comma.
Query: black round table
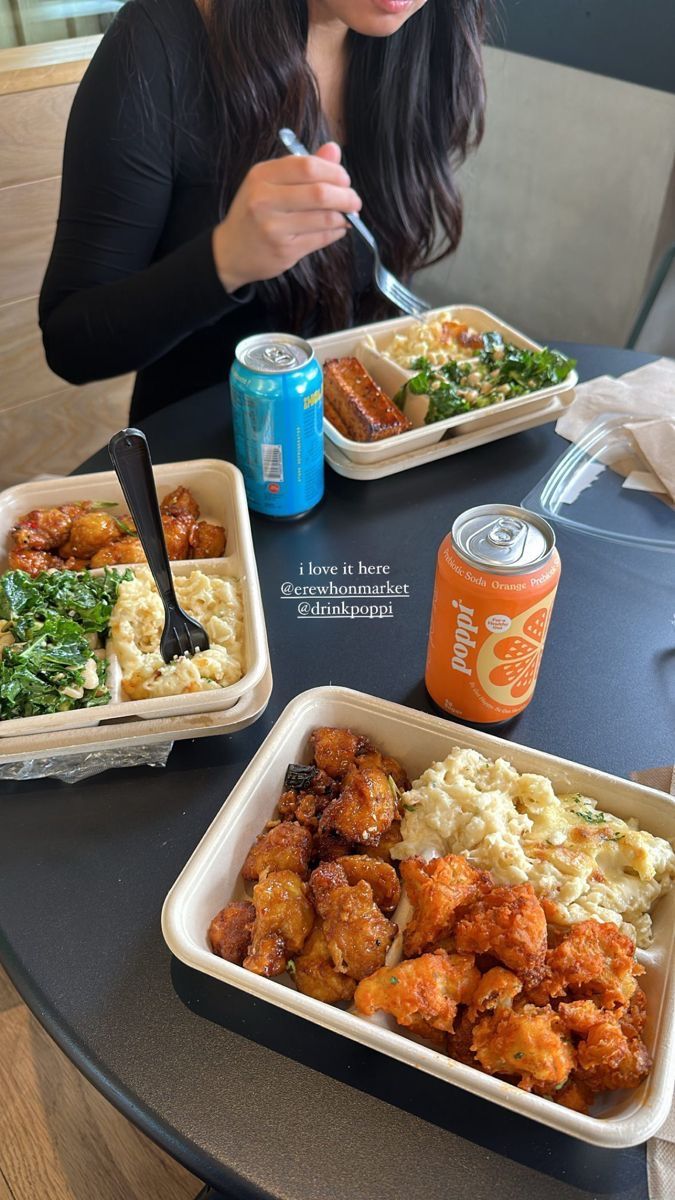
[[251, 1099]]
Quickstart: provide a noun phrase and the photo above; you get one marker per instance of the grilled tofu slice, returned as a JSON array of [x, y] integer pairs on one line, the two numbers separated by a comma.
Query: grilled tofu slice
[[355, 404]]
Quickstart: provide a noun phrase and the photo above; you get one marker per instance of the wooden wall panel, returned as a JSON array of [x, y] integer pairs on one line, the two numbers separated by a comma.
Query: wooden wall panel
[[52, 434], [27, 219], [24, 373], [32, 129]]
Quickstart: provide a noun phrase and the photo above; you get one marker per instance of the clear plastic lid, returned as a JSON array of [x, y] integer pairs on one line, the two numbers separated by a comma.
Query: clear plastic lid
[[585, 491]]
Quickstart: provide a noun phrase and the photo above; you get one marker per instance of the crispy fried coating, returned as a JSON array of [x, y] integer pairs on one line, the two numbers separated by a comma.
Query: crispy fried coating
[[529, 1042], [357, 933], [497, 989], [426, 989], [436, 889], [364, 809], [575, 1095], [283, 921], [180, 502], [328, 847], [381, 877], [33, 561], [509, 924], [230, 931], [594, 959], [207, 540], [460, 1039], [383, 847], [285, 847], [634, 1019], [607, 1057], [89, 533], [126, 550], [307, 804], [41, 529], [335, 750], [314, 973]]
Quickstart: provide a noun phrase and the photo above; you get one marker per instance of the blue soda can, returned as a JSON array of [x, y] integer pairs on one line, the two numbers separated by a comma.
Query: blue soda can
[[276, 386]]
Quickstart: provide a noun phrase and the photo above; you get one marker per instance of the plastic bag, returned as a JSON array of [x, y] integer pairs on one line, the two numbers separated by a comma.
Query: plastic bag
[[71, 768]]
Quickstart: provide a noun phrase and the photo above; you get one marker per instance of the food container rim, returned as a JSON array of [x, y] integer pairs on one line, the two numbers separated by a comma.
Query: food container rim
[[610, 1132]]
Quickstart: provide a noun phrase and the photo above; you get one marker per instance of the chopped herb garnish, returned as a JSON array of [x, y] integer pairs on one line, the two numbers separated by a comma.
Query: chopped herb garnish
[[122, 526], [394, 979], [593, 818], [394, 790], [410, 807], [290, 967], [519, 1054]]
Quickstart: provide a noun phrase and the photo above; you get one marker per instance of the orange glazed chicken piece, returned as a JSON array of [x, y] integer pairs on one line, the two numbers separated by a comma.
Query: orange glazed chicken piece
[[365, 808], [436, 889], [357, 933], [126, 550], [90, 533], [335, 750], [285, 847], [283, 921], [41, 529], [314, 973], [33, 561], [422, 991], [207, 540], [509, 924], [180, 502], [380, 875], [230, 931]]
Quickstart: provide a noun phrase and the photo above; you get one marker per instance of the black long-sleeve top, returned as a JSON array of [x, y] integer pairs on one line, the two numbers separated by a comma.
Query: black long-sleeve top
[[132, 284]]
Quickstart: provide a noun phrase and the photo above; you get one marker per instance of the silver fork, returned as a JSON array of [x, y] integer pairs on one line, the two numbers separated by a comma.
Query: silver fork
[[387, 284], [131, 459]]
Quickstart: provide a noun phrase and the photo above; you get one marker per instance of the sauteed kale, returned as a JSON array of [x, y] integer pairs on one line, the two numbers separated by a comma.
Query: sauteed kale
[[501, 371], [50, 628]]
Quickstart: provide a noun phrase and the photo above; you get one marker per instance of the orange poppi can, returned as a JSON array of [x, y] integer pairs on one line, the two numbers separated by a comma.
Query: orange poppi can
[[496, 579]]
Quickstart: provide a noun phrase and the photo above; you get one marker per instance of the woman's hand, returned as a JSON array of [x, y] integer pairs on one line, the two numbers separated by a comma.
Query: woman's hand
[[285, 208]]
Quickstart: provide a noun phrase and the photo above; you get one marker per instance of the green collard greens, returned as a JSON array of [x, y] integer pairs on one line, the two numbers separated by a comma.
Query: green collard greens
[[53, 618]]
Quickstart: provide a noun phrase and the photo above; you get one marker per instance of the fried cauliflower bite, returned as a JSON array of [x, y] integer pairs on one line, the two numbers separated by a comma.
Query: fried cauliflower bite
[[608, 1058], [594, 959], [381, 877], [509, 924], [176, 535], [89, 533], [285, 847], [365, 808], [230, 931], [497, 989], [357, 933], [529, 1042], [436, 889], [126, 550], [180, 502], [207, 540], [314, 973], [575, 1095], [33, 561], [421, 991], [41, 529], [283, 921], [335, 750], [383, 847]]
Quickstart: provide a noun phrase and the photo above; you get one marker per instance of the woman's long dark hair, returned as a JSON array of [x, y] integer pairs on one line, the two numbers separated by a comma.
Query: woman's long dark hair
[[414, 106]]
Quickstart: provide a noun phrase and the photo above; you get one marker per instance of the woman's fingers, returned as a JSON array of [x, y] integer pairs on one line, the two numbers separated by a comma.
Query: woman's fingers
[[308, 197], [330, 152], [296, 169], [308, 244], [294, 224]]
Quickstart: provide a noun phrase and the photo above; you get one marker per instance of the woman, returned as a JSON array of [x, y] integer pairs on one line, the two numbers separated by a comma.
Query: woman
[[183, 224]]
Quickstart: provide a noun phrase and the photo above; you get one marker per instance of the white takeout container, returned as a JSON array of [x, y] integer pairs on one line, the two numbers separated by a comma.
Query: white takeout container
[[219, 490], [212, 877], [390, 377]]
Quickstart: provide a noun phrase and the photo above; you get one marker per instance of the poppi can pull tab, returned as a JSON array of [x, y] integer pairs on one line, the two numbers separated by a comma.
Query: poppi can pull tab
[[507, 532]]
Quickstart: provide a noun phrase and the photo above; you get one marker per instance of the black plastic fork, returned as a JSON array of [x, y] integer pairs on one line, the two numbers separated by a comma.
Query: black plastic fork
[[131, 459]]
